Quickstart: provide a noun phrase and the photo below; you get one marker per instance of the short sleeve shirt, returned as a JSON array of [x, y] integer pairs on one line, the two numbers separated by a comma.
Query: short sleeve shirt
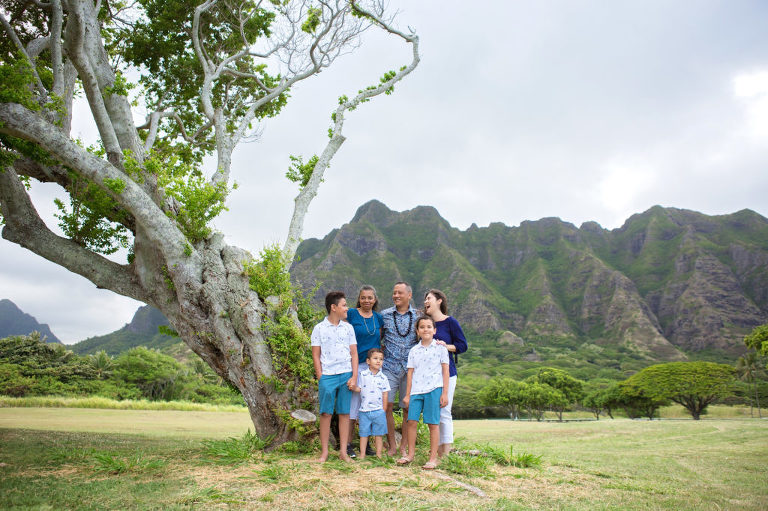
[[371, 386], [367, 331], [334, 342], [399, 337], [426, 362]]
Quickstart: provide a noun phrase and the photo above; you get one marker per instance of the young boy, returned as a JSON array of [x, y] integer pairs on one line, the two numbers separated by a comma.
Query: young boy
[[373, 387], [334, 354], [426, 389]]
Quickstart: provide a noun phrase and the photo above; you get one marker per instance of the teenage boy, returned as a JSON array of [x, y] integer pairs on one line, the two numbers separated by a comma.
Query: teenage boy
[[334, 354], [373, 387]]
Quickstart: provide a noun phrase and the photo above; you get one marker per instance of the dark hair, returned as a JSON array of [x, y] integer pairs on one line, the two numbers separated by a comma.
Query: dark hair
[[407, 285], [424, 318], [439, 295], [366, 287], [372, 351], [333, 298]]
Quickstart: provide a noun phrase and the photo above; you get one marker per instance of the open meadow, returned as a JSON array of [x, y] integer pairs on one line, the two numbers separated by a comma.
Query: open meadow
[[65, 458]]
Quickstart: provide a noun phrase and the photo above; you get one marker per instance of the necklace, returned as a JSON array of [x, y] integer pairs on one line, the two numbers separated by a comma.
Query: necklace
[[373, 327], [410, 323]]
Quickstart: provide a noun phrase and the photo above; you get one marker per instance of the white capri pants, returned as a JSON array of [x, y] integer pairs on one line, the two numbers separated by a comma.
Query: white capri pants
[[446, 419]]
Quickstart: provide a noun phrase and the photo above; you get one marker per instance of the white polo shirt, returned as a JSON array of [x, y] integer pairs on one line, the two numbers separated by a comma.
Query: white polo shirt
[[371, 386], [426, 362], [334, 342]]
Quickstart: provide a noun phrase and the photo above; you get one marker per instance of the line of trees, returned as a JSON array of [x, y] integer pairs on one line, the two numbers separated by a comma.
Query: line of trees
[[694, 385], [31, 367]]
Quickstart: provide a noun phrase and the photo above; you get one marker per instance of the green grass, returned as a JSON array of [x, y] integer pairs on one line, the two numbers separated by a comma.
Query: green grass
[[163, 461], [106, 403]]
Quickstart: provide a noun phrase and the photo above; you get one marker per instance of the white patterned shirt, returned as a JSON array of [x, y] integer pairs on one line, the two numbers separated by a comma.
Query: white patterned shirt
[[334, 342], [427, 364], [371, 386]]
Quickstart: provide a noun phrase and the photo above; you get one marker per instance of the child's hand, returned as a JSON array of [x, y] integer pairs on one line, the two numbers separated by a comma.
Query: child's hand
[[443, 400], [351, 384]]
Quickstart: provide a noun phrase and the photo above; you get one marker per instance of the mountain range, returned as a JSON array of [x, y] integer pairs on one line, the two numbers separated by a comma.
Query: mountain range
[[669, 284], [13, 321]]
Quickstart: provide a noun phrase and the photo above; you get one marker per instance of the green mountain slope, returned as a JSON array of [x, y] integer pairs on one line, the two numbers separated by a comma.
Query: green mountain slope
[[141, 331]]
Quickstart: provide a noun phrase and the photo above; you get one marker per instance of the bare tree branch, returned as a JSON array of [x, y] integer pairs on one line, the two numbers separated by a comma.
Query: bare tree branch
[[309, 191]]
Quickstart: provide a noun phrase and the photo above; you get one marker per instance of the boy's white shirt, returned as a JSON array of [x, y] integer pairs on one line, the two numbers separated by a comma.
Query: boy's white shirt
[[334, 342], [371, 386], [426, 362]]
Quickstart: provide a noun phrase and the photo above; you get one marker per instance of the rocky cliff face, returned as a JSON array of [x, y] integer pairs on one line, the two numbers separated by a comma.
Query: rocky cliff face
[[668, 282]]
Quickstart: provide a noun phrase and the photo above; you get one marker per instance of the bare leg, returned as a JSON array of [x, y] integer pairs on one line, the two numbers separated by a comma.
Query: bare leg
[[363, 445], [406, 435], [379, 445], [444, 449], [392, 450], [343, 436], [325, 433], [412, 428], [434, 438]]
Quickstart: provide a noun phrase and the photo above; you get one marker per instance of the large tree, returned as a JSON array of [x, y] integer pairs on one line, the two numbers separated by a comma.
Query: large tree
[[206, 73]]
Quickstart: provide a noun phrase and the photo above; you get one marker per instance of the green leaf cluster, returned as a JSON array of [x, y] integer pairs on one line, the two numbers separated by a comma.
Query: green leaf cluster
[[93, 218], [300, 172], [314, 16], [758, 339], [287, 339]]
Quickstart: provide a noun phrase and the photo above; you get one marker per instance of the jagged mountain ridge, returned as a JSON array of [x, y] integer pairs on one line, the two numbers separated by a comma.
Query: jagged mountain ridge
[[14, 321], [666, 283]]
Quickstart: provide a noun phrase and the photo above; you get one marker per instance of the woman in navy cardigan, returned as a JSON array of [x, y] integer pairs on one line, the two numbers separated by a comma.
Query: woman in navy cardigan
[[448, 332]]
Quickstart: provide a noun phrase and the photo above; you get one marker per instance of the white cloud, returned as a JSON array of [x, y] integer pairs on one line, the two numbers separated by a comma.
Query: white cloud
[[621, 187], [752, 90]]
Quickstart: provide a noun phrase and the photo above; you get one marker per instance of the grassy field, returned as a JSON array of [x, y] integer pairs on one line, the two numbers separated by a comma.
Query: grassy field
[[59, 458]]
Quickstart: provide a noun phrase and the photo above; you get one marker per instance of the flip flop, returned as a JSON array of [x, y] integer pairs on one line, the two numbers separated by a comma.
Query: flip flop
[[403, 461], [430, 465]]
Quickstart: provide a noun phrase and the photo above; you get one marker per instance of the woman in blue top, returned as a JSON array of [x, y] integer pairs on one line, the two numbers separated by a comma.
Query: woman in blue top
[[367, 322], [449, 333]]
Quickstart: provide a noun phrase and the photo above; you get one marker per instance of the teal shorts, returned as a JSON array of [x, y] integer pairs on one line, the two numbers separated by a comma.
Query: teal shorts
[[429, 403], [333, 394]]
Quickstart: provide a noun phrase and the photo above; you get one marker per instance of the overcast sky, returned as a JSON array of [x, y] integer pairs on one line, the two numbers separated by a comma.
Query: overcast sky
[[582, 110]]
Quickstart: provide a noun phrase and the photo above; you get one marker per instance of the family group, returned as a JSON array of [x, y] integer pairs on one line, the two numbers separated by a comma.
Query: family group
[[363, 358]]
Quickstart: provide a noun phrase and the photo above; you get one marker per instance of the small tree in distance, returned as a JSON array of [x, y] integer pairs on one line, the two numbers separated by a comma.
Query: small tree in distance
[[694, 385], [504, 392]]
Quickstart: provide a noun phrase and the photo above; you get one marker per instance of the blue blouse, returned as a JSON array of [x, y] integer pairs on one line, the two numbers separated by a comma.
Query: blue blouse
[[367, 331], [450, 332]]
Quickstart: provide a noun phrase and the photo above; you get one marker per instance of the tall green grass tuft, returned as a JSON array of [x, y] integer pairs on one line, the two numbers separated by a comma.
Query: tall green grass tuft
[[466, 464], [137, 464], [509, 458], [235, 450], [106, 403]]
